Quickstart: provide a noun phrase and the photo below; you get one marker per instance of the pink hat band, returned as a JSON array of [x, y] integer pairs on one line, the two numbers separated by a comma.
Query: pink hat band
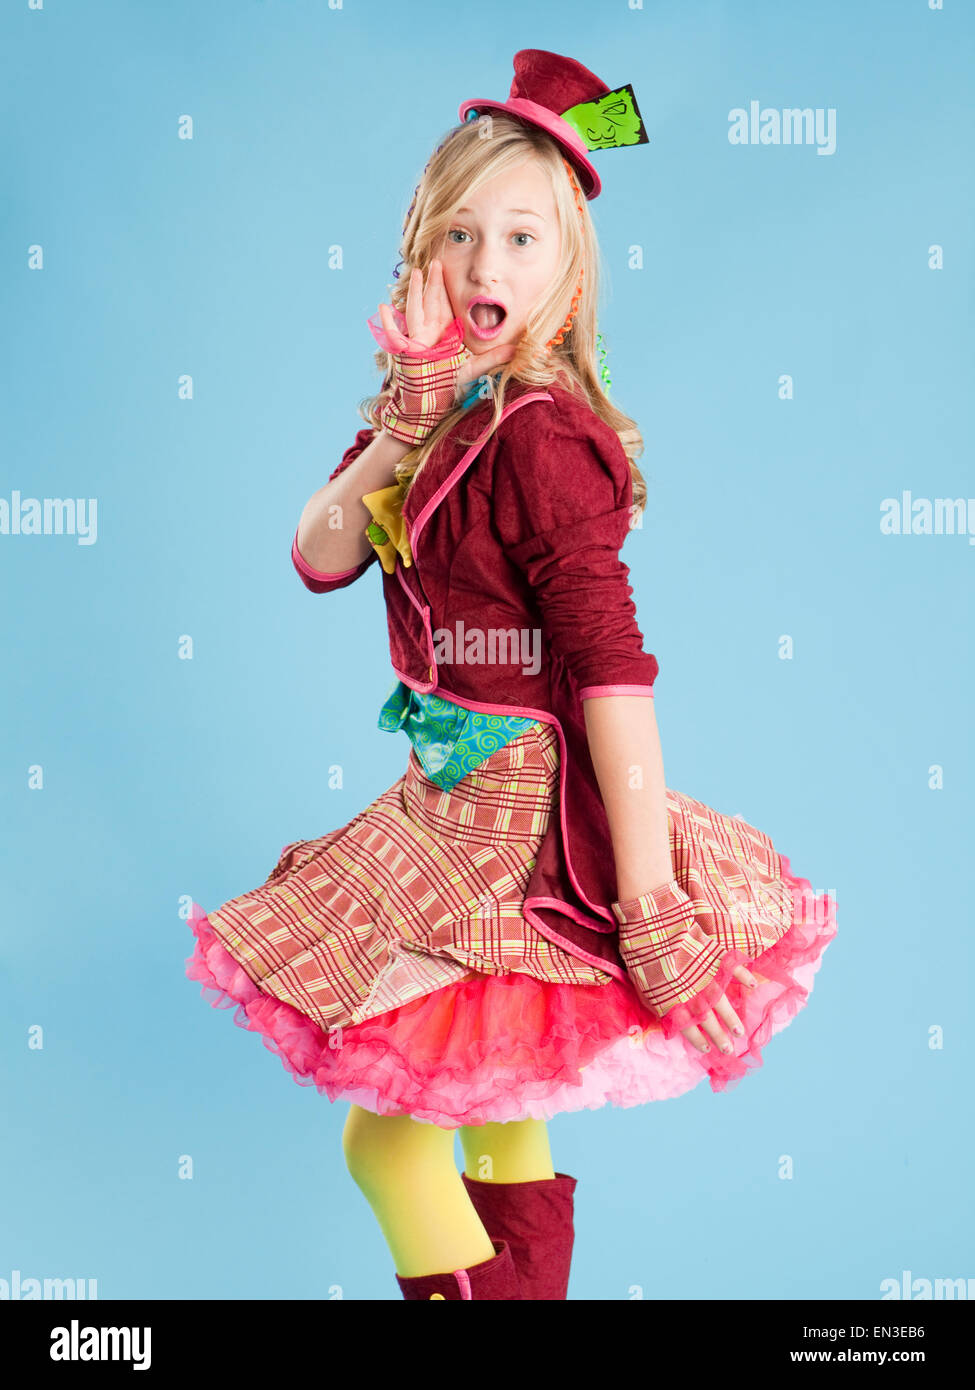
[[540, 116]]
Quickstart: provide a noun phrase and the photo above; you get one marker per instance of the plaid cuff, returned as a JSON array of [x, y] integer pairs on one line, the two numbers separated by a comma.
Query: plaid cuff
[[669, 902], [424, 380], [423, 392], [668, 955]]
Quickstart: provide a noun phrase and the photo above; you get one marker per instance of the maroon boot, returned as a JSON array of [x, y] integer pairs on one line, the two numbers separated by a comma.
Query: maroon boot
[[536, 1220], [496, 1278]]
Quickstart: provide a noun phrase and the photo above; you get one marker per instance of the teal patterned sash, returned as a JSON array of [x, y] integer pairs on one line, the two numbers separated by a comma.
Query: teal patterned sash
[[450, 741]]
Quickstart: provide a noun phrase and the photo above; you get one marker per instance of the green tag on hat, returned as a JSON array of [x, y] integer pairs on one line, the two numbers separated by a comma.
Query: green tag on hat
[[609, 121]]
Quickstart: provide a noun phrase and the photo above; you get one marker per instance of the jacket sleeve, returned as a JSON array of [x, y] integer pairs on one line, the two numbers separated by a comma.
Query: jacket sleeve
[[561, 504], [315, 580]]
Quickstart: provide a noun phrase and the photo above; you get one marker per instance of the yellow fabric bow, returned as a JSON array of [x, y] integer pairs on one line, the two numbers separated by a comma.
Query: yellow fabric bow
[[387, 530]]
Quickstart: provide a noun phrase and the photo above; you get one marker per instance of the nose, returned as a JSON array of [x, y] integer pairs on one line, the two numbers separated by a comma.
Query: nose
[[483, 267]]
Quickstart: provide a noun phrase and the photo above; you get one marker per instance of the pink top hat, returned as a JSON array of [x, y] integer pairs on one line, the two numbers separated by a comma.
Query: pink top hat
[[571, 104]]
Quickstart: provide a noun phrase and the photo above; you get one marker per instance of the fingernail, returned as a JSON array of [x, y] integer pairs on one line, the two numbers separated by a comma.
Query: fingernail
[[706, 1047], [738, 1030]]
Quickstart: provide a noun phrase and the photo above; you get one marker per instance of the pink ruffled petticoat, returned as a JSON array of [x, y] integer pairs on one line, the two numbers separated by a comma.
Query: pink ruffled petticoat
[[510, 1047]]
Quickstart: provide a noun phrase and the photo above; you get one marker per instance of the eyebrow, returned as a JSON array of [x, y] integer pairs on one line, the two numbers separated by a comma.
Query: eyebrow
[[528, 212]]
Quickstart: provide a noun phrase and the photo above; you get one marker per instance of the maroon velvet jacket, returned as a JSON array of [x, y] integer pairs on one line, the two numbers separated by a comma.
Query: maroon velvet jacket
[[523, 532]]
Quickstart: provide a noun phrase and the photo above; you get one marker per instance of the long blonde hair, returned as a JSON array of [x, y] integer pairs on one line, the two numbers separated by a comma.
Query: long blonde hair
[[461, 164]]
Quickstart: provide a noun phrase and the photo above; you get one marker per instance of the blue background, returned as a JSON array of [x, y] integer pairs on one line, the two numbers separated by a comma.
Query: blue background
[[168, 779]]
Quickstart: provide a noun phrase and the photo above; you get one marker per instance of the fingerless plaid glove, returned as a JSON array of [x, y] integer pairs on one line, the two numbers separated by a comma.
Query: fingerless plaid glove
[[423, 379], [668, 955]]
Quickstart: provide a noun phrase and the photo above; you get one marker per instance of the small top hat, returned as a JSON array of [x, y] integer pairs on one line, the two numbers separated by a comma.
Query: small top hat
[[571, 104]]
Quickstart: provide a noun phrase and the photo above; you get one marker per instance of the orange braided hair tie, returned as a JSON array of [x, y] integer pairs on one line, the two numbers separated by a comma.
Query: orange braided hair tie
[[574, 305]]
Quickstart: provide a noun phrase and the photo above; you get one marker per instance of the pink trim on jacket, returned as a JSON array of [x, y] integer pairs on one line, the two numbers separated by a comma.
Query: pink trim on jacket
[[567, 910], [588, 692], [303, 567], [427, 689]]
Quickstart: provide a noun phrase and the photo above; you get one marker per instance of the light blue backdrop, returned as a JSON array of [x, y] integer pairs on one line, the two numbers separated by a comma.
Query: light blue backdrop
[[165, 779]]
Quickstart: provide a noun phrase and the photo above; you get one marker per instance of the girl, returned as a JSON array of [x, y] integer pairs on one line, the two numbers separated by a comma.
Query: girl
[[528, 921]]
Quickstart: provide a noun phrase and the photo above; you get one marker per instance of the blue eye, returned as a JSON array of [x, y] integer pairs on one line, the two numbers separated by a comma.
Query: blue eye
[[457, 231]]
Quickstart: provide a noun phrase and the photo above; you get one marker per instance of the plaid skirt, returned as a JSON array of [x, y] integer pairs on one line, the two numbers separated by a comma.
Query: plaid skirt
[[389, 963]]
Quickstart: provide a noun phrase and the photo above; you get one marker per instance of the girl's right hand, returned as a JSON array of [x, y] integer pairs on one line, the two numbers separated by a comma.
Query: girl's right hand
[[710, 1026], [428, 315]]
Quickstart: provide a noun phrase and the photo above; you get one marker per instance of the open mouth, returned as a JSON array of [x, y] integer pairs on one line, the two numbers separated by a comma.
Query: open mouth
[[486, 316]]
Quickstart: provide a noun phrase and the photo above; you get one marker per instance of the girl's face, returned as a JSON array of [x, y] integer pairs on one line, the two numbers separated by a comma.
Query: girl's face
[[503, 245]]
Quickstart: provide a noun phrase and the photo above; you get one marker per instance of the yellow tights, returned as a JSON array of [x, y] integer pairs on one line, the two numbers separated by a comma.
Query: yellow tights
[[407, 1173]]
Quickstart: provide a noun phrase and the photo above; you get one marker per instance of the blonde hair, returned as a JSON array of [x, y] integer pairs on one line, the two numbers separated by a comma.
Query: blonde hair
[[461, 164]]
